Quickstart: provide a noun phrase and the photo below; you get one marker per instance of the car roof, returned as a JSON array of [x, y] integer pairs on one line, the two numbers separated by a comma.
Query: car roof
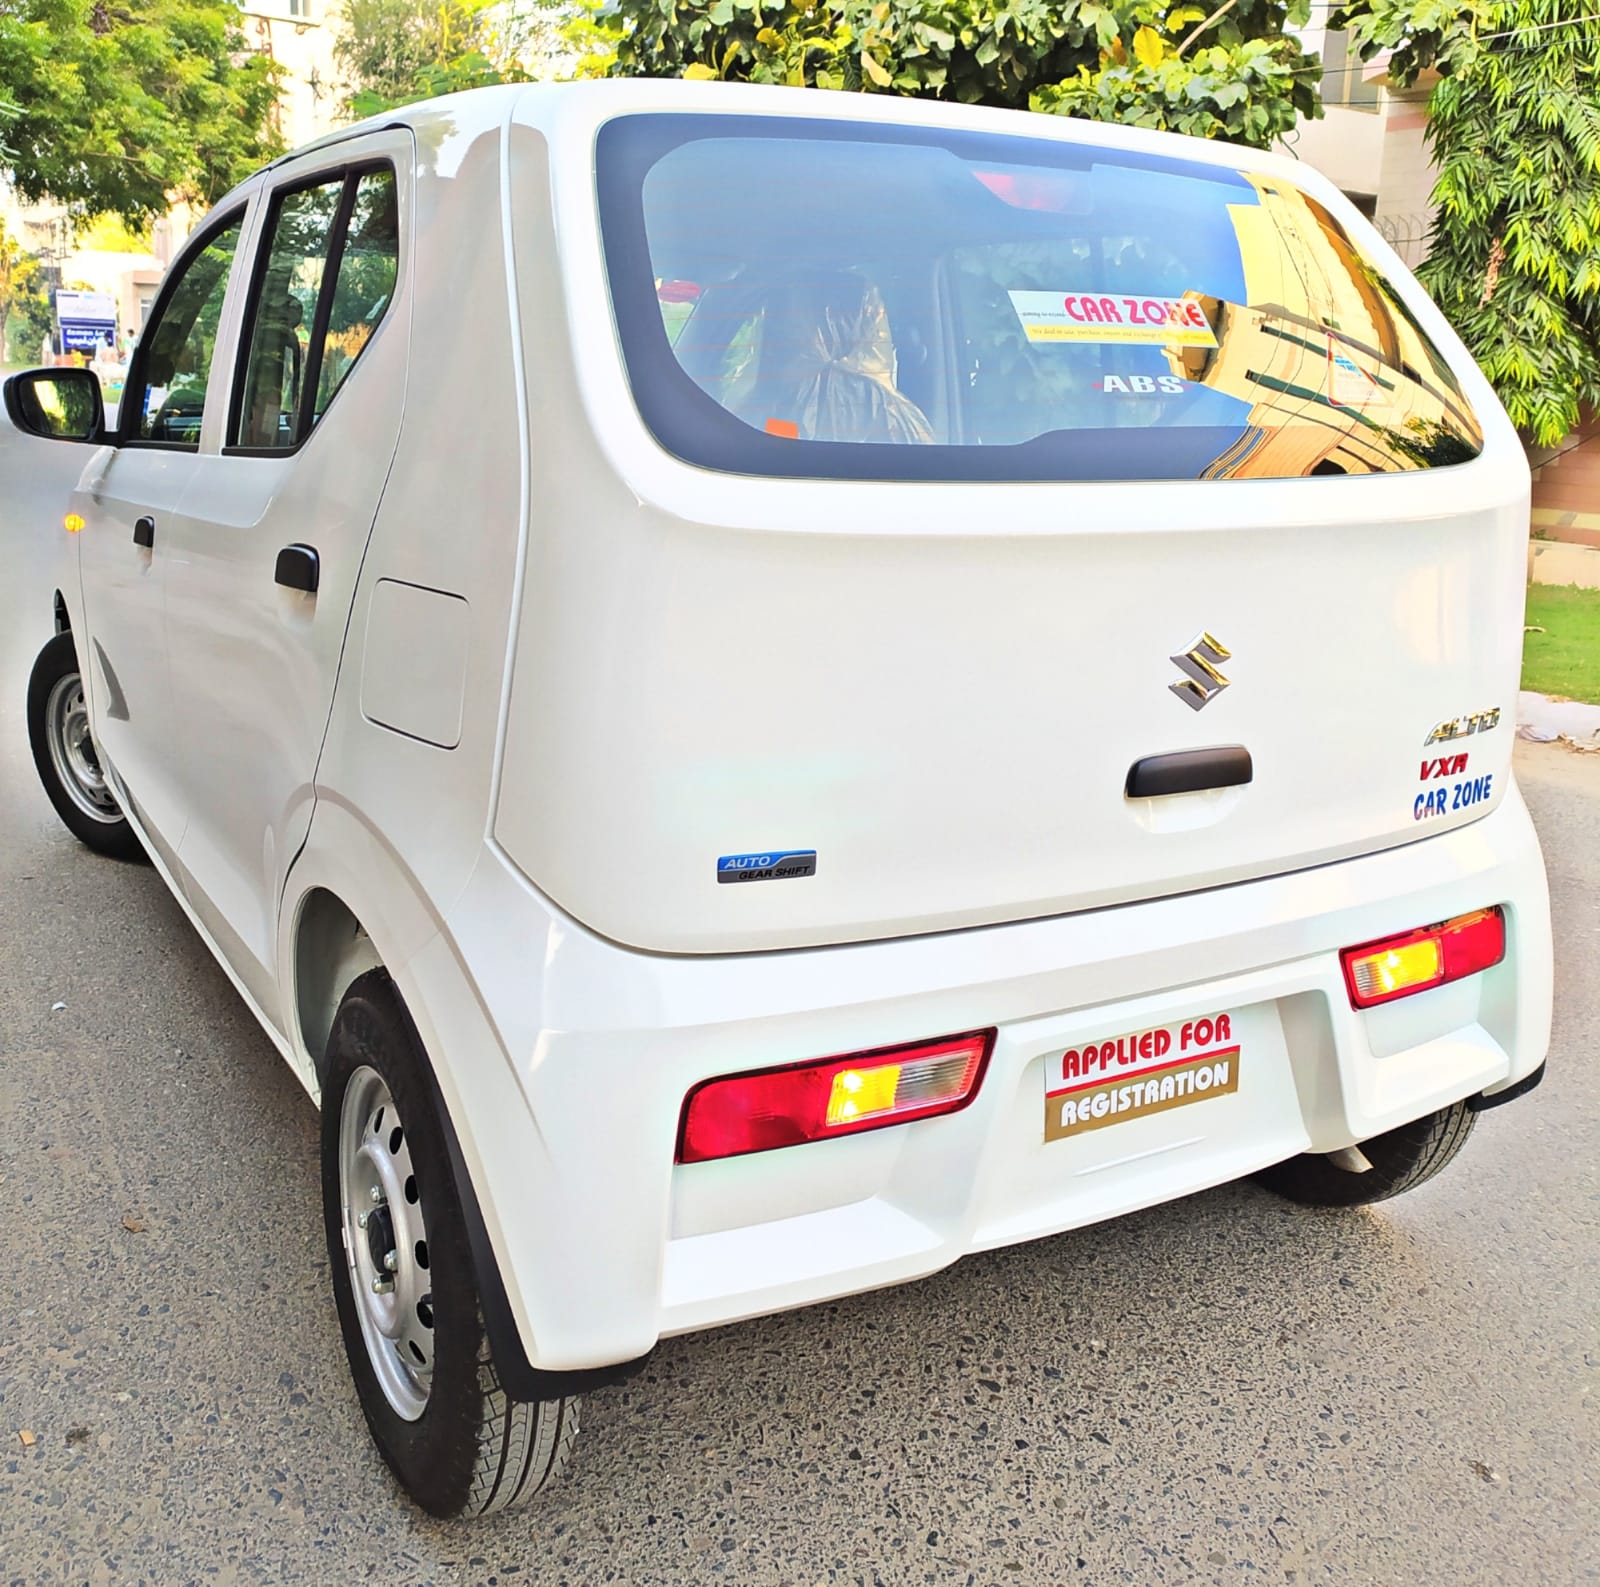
[[564, 110]]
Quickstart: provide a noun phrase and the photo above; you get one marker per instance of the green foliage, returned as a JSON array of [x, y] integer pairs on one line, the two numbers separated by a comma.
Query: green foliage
[[1229, 72], [1252, 92], [394, 52], [25, 315], [125, 106], [1514, 123]]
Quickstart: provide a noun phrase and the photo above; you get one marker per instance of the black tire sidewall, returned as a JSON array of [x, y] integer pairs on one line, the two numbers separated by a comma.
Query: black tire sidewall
[[1401, 1159], [58, 660], [433, 1457]]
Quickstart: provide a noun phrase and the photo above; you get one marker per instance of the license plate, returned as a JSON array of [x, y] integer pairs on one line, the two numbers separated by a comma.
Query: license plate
[[1117, 1079]]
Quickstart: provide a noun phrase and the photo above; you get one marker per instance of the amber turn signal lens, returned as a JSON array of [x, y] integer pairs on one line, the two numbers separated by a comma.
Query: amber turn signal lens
[[735, 1114], [1379, 972]]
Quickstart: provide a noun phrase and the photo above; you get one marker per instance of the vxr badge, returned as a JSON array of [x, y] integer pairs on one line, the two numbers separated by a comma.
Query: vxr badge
[[1202, 682]]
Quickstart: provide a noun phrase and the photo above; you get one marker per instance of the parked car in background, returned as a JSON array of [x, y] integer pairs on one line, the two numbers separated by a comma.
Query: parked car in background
[[761, 690]]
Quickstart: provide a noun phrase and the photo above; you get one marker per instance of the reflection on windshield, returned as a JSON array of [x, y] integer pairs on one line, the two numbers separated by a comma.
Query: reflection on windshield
[[1102, 316]]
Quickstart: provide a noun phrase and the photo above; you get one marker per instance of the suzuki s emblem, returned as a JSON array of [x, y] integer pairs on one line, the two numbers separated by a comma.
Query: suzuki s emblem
[[1202, 682]]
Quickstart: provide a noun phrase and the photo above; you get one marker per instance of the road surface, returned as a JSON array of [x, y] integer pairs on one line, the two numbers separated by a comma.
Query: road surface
[[1222, 1391]]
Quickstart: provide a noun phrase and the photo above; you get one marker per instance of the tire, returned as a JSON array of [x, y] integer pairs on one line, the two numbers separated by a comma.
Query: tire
[[459, 1444], [65, 756], [1401, 1160]]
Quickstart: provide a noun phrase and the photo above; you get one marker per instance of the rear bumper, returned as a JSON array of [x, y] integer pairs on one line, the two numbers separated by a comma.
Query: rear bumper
[[605, 1246]]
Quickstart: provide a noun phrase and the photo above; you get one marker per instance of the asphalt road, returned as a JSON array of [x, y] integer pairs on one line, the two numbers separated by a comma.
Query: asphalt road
[[1224, 1390]]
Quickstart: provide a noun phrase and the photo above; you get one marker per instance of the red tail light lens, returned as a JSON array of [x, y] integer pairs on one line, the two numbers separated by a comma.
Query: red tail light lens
[[1414, 961], [736, 1114]]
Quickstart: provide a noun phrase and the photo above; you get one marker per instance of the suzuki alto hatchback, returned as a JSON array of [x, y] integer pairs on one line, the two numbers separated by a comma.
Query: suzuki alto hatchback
[[762, 689]]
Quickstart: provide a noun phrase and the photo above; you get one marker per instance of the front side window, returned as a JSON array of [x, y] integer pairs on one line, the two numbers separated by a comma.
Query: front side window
[[169, 402], [833, 299], [324, 282]]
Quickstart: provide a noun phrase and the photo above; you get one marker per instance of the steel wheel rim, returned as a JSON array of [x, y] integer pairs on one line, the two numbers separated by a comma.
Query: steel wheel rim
[[72, 753], [379, 1206]]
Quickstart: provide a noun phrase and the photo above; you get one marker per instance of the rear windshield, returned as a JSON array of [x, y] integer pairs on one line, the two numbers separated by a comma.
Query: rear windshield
[[831, 299]]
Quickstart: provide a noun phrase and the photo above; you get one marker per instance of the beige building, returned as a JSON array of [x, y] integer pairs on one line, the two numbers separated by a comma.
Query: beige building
[[298, 34], [1370, 142]]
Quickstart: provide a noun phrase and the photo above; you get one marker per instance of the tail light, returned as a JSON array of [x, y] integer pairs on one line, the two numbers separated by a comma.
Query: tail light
[[756, 1112], [1379, 972]]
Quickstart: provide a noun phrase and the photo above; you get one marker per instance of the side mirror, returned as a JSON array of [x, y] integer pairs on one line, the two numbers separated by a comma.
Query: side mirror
[[58, 404]]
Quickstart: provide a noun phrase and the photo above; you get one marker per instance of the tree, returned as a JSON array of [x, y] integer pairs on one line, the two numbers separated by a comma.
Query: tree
[[1514, 125], [1228, 70], [25, 315], [396, 51], [124, 105]]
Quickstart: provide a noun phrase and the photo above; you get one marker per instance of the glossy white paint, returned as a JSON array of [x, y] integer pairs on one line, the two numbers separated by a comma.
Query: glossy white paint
[[548, 773], [253, 664]]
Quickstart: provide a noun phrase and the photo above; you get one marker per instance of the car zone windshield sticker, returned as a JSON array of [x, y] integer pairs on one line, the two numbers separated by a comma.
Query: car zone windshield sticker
[[1155, 319], [1131, 1077]]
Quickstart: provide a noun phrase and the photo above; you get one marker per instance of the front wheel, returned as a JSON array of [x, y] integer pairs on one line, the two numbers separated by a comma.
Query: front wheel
[[1400, 1160], [404, 1282], [66, 758]]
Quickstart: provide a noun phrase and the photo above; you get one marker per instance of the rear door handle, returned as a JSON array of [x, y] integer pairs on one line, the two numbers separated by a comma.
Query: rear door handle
[[1189, 771], [144, 532], [299, 568]]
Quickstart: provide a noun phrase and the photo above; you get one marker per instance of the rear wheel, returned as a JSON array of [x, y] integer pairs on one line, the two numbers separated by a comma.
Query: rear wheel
[[66, 758], [1401, 1160], [404, 1282]]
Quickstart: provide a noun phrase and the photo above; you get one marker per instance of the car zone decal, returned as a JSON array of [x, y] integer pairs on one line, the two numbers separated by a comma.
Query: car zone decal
[[1131, 1077], [1156, 320], [1437, 800]]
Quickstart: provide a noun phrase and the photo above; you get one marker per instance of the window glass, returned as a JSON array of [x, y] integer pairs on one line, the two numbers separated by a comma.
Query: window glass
[[367, 270], [179, 347], [282, 314], [812, 298]]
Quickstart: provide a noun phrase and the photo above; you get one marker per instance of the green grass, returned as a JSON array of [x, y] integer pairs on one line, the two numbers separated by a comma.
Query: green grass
[[1565, 659]]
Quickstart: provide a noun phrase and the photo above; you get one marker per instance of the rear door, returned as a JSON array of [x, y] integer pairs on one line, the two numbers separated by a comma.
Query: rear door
[[1068, 523], [129, 514], [264, 555]]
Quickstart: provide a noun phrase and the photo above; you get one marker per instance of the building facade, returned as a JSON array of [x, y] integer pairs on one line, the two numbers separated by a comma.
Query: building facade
[[1371, 141], [298, 35]]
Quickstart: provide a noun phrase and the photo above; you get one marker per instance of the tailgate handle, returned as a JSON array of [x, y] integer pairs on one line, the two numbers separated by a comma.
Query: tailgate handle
[[299, 568], [1189, 771]]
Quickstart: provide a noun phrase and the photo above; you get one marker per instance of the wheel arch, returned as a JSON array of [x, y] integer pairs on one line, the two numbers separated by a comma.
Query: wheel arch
[[332, 949], [348, 897]]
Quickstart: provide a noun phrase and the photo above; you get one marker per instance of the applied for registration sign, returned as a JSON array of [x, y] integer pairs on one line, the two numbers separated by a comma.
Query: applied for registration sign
[[1123, 1078]]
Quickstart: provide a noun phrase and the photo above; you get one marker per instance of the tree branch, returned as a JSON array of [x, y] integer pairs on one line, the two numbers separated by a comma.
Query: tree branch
[[1200, 27]]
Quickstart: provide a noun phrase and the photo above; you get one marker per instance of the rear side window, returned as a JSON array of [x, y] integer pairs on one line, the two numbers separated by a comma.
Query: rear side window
[[830, 299], [324, 280]]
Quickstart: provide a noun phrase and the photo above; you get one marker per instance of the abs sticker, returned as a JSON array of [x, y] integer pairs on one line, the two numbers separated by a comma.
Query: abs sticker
[[1131, 1077], [1143, 385], [776, 865], [1155, 321]]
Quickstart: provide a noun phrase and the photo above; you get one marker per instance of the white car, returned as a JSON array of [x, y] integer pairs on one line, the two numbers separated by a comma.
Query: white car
[[763, 689]]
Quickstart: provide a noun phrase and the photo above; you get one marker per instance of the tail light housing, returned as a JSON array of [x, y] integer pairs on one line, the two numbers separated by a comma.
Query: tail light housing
[[766, 1108], [1414, 961]]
